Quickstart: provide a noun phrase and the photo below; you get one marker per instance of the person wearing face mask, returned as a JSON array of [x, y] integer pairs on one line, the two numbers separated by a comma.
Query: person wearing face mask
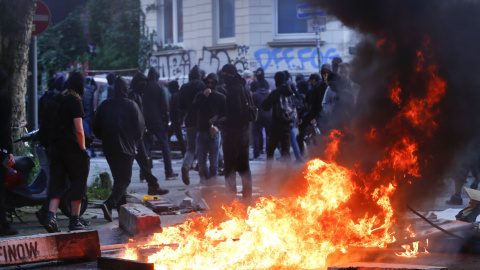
[[67, 154], [236, 144]]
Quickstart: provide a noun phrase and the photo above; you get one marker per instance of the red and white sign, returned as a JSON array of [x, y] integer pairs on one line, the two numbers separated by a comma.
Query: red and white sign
[[41, 19]]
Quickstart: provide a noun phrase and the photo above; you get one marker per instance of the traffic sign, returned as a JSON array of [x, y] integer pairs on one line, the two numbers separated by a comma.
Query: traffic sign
[[307, 11], [41, 19]]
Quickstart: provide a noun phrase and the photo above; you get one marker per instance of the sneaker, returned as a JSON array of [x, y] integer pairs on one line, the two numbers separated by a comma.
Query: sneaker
[[455, 200], [41, 215], [171, 176], [7, 230], [185, 176], [84, 222], [157, 191], [75, 224], [50, 223], [107, 212]]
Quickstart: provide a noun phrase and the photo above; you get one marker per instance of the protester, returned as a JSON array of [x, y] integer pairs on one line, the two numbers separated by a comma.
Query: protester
[[155, 107], [236, 144], [119, 124], [6, 151], [110, 79], [176, 116], [264, 119], [187, 94], [137, 86], [62, 129], [260, 76], [210, 108], [91, 88], [280, 129], [54, 88], [300, 106], [247, 75]]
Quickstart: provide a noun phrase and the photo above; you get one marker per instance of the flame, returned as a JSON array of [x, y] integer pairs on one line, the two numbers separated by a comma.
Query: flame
[[299, 231]]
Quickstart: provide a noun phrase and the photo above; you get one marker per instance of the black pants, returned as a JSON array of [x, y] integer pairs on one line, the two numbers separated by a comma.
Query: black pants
[[146, 170], [121, 167], [235, 154], [282, 137], [73, 166]]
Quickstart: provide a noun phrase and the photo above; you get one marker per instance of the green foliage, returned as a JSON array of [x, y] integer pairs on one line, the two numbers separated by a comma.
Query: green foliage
[[101, 188], [61, 44]]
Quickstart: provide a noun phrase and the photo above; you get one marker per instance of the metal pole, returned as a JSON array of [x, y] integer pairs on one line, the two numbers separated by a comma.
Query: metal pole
[[317, 35], [35, 84]]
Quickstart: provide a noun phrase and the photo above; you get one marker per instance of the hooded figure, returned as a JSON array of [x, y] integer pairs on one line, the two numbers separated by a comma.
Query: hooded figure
[[110, 80], [260, 75], [236, 139], [176, 116], [186, 96], [137, 87], [119, 124], [155, 109]]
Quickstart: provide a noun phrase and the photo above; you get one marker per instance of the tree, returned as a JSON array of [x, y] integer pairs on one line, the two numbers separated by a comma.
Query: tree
[[15, 35]]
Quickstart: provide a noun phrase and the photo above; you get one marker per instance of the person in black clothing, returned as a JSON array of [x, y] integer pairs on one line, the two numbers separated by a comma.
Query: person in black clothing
[[236, 144], [176, 116], [110, 79], [210, 108], [186, 96], [62, 126], [54, 88], [279, 130], [155, 108], [264, 118], [6, 151], [260, 76], [319, 88], [137, 90], [88, 97], [302, 89], [119, 124]]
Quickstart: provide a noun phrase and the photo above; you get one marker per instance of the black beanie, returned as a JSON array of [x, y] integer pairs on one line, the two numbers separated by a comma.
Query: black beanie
[[230, 69], [279, 78]]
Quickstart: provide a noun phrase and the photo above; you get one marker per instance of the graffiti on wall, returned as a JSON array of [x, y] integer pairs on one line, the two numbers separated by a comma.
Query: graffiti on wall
[[292, 59], [177, 65]]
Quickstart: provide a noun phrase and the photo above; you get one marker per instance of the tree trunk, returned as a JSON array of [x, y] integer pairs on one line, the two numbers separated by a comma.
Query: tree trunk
[[15, 34]]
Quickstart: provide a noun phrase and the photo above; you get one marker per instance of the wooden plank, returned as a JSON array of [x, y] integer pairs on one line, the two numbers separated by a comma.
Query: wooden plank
[[384, 266], [122, 264], [50, 247]]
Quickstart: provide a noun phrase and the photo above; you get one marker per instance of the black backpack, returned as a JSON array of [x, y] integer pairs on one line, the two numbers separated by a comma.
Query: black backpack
[[286, 111], [51, 120], [250, 112]]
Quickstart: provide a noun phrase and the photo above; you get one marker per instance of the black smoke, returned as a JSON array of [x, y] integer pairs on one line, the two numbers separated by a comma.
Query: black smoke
[[446, 32]]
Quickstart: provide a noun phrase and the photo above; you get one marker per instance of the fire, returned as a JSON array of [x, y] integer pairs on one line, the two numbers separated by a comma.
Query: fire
[[411, 251], [292, 232]]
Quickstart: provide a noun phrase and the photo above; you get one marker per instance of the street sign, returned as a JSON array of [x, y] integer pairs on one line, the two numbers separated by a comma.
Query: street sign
[[306, 11], [41, 19], [317, 24]]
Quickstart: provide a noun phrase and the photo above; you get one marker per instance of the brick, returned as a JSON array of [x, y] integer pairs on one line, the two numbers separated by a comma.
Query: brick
[[138, 219]]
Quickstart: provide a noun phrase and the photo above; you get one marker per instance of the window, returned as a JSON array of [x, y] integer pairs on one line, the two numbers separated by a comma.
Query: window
[[224, 11], [288, 25], [172, 21]]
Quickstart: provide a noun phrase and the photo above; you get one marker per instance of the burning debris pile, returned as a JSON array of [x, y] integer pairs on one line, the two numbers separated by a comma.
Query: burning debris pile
[[416, 115]]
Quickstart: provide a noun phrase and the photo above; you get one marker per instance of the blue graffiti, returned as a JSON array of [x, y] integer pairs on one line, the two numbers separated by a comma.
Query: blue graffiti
[[306, 56]]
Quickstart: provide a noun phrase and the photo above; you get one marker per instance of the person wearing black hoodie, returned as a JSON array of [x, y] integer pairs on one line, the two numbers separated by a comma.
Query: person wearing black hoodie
[[264, 118], [119, 123], [236, 144], [110, 79], [176, 116], [279, 130], [155, 108], [186, 96], [260, 76], [6, 150], [66, 151], [137, 90]]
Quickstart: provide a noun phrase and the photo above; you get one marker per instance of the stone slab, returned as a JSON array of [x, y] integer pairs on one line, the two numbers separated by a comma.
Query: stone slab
[[138, 219]]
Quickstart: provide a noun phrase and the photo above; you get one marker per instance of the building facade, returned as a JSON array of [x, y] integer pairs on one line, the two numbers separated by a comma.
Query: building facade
[[275, 35]]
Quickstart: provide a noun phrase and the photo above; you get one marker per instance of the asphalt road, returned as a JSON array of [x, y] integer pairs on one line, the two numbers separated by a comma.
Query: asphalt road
[[111, 234]]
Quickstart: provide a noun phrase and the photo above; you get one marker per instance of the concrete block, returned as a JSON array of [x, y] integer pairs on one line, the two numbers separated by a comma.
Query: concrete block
[[138, 219]]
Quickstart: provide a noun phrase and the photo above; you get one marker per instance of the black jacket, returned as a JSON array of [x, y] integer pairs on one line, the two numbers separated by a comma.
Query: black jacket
[[271, 102], [155, 104], [236, 104], [208, 107], [186, 96], [258, 97], [316, 98], [119, 124]]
